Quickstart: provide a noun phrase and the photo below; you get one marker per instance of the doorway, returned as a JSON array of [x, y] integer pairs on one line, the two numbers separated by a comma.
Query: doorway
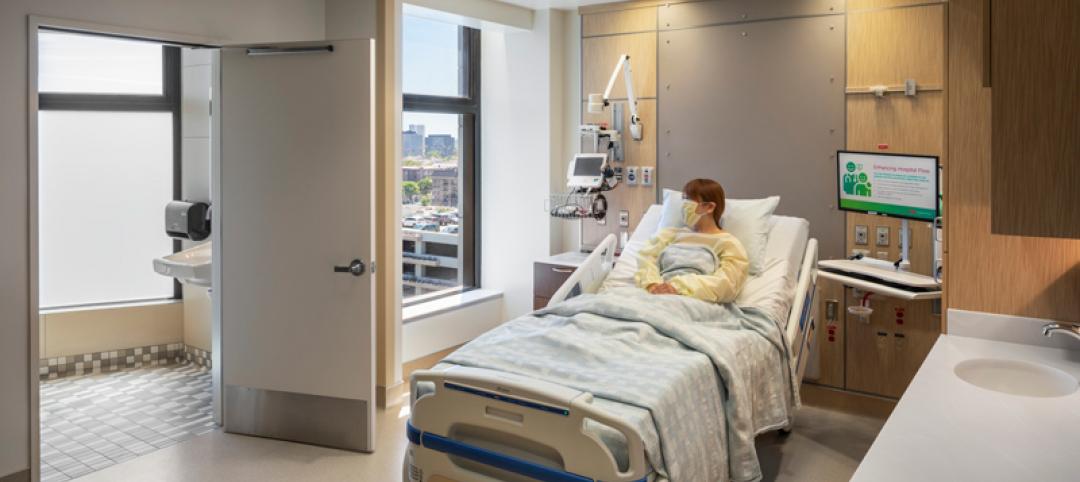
[[123, 352]]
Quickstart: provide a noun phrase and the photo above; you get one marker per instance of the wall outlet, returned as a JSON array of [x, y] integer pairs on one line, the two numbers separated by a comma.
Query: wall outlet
[[863, 252], [882, 236], [646, 176], [860, 235], [631, 175], [883, 255], [624, 218]]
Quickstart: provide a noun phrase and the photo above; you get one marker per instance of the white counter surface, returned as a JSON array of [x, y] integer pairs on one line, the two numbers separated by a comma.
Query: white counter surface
[[944, 429]]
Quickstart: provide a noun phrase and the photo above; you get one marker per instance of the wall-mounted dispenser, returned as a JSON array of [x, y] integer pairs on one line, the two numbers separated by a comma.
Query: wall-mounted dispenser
[[186, 220]]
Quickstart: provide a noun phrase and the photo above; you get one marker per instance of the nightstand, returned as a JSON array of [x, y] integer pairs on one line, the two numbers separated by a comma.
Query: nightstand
[[551, 272]]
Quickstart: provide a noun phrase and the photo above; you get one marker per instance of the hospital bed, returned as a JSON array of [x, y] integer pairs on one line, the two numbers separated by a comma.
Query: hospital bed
[[477, 424]]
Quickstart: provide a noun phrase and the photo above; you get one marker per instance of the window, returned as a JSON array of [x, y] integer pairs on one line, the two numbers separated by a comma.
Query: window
[[107, 165], [440, 158]]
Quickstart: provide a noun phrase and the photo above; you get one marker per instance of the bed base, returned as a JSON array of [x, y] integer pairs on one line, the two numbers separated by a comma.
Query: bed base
[[471, 424]]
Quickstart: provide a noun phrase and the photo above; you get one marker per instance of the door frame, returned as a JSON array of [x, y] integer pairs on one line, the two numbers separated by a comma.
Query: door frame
[[34, 23]]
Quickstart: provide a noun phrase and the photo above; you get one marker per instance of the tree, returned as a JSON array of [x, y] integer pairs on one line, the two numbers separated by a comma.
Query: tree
[[425, 185], [425, 200], [409, 189]]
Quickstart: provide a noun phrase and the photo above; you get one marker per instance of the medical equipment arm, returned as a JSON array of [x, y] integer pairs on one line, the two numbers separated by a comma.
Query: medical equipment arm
[[624, 66]]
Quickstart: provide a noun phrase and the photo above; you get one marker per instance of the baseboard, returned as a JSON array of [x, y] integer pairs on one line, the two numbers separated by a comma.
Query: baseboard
[[21, 476], [392, 396], [847, 402]]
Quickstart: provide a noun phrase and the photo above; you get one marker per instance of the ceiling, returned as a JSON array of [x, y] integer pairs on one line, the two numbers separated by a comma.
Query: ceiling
[[564, 4]]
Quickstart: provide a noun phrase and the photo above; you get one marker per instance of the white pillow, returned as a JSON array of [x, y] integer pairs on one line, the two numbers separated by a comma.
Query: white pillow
[[748, 221], [671, 213]]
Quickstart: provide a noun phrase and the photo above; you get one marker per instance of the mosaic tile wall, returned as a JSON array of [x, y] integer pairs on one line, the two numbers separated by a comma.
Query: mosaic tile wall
[[123, 359]]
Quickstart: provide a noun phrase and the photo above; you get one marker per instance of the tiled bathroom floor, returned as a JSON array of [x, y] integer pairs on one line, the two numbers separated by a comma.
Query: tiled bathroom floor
[[91, 422]]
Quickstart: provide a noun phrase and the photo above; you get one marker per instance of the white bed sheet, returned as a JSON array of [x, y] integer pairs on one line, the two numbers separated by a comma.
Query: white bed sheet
[[772, 290]]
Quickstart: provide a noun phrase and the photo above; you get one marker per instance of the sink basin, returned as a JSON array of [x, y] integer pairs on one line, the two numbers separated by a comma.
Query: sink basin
[[191, 266], [1016, 377]]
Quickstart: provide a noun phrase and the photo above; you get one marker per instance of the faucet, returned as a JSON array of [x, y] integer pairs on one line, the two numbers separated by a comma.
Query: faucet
[[1050, 329]]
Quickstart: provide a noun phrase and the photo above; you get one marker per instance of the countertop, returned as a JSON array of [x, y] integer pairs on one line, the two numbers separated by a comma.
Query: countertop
[[946, 429]]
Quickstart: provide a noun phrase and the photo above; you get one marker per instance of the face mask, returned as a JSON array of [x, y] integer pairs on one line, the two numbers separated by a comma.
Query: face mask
[[690, 214]]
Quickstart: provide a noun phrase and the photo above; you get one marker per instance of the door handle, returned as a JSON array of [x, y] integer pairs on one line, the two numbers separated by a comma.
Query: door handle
[[355, 267]]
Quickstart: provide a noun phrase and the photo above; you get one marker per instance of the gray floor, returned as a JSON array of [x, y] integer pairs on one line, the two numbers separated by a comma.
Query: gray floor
[[92, 422], [825, 446]]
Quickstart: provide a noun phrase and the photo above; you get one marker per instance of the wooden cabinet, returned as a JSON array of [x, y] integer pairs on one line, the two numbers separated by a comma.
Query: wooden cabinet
[[884, 352], [550, 273], [1032, 67]]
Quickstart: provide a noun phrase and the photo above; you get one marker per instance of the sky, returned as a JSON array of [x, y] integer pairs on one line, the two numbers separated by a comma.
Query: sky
[[430, 66]]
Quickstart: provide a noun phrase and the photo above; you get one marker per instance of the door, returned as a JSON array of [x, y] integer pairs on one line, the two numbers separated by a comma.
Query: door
[[295, 242]]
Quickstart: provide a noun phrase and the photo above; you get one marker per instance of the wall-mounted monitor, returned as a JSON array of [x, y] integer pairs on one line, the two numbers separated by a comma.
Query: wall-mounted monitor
[[895, 185]]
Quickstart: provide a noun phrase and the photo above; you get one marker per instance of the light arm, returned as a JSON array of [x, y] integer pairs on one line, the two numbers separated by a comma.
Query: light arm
[[624, 66]]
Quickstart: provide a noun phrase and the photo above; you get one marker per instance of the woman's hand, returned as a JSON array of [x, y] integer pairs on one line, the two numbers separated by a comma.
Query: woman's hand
[[662, 289]]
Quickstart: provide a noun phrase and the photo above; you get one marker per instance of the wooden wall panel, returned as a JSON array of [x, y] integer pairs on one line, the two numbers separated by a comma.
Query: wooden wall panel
[[1024, 276], [624, 21], [889, 46], [636, 199], [598, 58], [1035, 166], [854, 5], [914, 125], [884, 354], [910, 125]]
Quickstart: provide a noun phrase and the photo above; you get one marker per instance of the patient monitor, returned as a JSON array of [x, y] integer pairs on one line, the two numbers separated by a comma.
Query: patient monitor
[[586, 171]]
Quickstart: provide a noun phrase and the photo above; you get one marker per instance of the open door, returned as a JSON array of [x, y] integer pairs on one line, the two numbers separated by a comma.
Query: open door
[[295, 241]]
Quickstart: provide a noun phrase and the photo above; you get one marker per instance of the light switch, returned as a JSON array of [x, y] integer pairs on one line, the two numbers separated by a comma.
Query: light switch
[[646, 176], [624, 218]]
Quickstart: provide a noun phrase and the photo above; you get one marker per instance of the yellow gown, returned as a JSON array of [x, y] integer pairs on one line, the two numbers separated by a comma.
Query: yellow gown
[[722, 286]]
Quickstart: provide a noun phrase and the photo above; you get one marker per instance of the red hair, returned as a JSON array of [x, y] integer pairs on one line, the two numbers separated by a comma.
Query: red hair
[[709, 191]]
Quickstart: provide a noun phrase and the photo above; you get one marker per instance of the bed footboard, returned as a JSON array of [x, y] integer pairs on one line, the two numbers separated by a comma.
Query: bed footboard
[[588, 277], [476, 424]]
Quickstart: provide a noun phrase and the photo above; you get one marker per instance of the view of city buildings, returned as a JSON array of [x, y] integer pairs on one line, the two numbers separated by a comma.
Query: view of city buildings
[[430, 212]]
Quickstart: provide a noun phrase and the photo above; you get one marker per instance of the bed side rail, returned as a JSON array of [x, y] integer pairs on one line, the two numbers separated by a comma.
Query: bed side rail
[[499, 403], [801, 323], [590, 275]]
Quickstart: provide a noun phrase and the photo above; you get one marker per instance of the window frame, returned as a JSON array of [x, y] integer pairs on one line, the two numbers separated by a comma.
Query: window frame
[[467, 105], [168, 101]]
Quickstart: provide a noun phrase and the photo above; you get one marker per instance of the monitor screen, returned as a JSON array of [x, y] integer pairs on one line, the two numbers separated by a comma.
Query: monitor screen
[[588, 165], [896, 185]]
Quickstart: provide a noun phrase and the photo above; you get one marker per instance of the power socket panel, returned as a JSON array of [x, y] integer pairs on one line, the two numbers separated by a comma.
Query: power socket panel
[[861, 235], [882, 238]]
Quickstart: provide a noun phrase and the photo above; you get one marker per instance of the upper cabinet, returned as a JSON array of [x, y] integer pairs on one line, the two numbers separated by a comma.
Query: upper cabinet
[[1032, 66]]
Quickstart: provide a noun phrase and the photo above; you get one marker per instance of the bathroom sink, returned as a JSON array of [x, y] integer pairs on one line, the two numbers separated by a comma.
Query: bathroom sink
[[1016, 377], [190, 266]]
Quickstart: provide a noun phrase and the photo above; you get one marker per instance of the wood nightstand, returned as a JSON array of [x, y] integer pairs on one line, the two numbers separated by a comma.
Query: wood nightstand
[[551, 272]]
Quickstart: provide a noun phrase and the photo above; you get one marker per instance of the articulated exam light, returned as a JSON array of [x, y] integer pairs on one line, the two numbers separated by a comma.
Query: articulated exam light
[[597, 102]]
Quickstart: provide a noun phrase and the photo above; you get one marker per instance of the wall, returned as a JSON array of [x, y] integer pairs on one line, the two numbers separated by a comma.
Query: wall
[[517, 105], [74, 332], [233, 21], [1014, 275], [195, 74]]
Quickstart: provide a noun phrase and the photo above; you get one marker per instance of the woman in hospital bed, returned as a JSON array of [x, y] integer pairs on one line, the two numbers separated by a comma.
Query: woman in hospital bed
[[701, 260]]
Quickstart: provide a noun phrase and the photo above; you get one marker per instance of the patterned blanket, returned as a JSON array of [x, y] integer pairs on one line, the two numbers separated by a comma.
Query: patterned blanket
[[710, 376]]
